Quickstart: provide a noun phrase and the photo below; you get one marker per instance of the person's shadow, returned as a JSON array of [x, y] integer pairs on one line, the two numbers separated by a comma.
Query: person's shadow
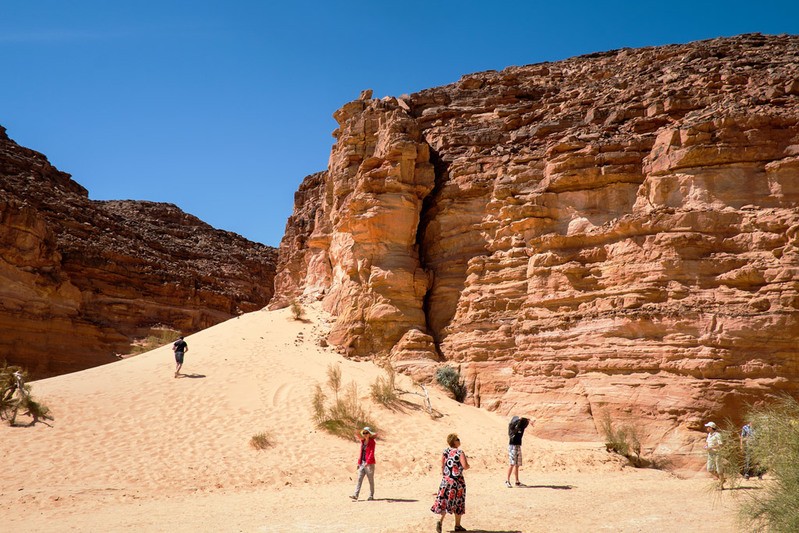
[[394, 500], [192, 376], [495, 530], [556, 487]]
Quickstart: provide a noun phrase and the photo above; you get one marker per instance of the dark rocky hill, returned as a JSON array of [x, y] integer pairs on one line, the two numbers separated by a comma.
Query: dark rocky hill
[[80, 280]]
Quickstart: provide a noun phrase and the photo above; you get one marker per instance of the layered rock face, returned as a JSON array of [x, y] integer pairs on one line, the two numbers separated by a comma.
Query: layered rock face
[[80, 279], [615, 233]]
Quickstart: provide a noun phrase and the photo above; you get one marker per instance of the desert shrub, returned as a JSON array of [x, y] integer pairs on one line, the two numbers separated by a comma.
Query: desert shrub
[[261, 441], [620, 439], [318, 405], [451, 379], [775, 447], [334, 379], [383, 389], [297, 310], [8, 403], [731, 460], [157, 337], [345, 414], [13, 400], [623, 439]]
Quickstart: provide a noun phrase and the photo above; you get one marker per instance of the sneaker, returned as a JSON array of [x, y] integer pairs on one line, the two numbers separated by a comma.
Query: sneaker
[[354, 498], [370, 499], [507, 484], [520, 484], [460, 528]]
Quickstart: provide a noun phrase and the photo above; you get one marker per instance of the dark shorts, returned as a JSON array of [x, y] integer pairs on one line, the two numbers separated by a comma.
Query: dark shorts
[[179, 358]]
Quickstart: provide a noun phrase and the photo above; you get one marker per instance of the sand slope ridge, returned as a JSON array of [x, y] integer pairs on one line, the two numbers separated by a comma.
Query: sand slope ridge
[[134, 449]]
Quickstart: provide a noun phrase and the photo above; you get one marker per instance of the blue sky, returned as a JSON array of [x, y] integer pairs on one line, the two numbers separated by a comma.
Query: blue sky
[[224, 107]]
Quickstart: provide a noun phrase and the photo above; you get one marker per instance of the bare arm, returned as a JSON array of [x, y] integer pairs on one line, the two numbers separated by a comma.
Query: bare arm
[[442, 464], [464, 461]]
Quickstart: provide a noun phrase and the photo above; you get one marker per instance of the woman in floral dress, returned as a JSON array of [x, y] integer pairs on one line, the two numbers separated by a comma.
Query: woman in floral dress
[[451, 496]]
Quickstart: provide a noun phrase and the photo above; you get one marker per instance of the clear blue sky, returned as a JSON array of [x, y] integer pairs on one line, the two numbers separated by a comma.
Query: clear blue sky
[[223, 107]]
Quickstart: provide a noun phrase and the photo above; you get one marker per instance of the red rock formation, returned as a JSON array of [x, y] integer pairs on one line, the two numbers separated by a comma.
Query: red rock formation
[[612, 233], [81, 279]]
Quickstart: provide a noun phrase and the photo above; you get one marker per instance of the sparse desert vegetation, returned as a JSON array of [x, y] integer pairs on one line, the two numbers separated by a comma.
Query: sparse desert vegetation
[[345, 414], [384, 389], [261, 441], [159, 336], [297, 310], [775, 448], [15, 397], [450, 378]]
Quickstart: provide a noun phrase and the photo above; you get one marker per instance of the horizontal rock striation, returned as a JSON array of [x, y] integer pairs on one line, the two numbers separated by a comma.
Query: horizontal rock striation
[[614, 233], [80, 280]]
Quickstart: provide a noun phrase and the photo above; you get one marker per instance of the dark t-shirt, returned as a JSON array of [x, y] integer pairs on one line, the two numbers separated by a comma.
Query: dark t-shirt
[[180, 345], [517, 432]]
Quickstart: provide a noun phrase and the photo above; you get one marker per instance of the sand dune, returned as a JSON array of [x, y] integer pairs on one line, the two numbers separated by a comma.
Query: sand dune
[[134, 449]]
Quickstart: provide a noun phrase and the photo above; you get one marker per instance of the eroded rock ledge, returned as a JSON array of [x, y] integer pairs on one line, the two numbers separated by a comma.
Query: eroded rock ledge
[[611, 233], [80, 279]]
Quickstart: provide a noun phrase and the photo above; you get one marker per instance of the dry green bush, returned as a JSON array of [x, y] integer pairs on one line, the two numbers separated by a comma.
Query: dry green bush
[[344, 415], [775, 447], [384, 391], [334, 379], [261, 441], [13, 401], [158, 337], [297, 310], [450, 378], [624, 439]]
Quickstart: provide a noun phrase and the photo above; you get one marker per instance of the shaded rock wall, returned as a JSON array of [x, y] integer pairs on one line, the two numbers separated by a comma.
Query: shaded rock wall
[[81, 279], [615, 233]]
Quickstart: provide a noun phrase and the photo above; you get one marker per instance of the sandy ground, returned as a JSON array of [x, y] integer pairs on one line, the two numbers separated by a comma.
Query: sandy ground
[[132, 448]]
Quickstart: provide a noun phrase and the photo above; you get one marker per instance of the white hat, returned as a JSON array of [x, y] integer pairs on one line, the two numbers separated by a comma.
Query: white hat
[[711, 425], [368, 430]]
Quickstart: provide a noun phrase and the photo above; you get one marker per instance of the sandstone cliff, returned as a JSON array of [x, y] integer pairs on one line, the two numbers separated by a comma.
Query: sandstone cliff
[[614, 233], [80, 279]]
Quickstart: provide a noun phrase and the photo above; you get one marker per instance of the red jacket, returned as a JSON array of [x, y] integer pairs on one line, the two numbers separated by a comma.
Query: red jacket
[[370, 451]]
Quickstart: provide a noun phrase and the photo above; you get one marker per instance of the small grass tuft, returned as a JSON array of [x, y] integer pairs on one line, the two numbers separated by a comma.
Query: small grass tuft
[[261, 441]]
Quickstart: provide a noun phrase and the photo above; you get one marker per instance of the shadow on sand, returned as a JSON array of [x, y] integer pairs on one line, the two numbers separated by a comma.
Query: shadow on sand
[[192, 376], [556, 487], [743, 487], [495, 530], [393, 500]]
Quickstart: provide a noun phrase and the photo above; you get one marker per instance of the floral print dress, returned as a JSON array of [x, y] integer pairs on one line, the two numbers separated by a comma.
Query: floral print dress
[[451, 496]]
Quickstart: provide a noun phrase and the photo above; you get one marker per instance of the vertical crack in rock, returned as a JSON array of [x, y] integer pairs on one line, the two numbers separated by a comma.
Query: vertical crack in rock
[[426, 217]]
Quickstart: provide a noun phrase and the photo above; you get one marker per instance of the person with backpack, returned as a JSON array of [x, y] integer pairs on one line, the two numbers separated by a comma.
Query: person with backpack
[[515, 433], [180, 348]]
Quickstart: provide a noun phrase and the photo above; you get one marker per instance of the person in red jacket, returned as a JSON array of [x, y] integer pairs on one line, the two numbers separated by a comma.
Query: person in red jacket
[[366, 463]]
